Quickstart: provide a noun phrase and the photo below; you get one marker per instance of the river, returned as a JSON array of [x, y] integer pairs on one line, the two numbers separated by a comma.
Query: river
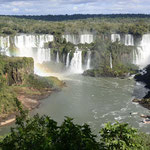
[[94, 101]]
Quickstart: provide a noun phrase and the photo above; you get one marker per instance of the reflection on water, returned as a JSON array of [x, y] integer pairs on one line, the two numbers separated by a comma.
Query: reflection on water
[[94, 101]]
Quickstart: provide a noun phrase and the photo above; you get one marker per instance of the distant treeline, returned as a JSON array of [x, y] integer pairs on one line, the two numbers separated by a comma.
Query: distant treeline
[[81, 16], [135, 24]]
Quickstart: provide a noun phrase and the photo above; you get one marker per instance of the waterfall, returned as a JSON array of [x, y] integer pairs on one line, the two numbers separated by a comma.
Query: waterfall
[[142, 56], [86, 38], [44, 55], [27, 46], [82, 38], [71, 38], [4, 45], [129, 40], [136, 55], [111, 66], [57, 58], [76, 62], [115, 37], [88, 60], [68, 60]]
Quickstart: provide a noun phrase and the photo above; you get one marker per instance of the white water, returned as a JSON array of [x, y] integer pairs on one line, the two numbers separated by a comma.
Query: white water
[[57, 58], [28, 46], [44, 55], [142, 55], [88, 60], [115, 37], [82, 38], [4, 45], [71, 38], [76, 62], [86, 38], [34, 46], [111, 66], [129, 40], [68, 60]]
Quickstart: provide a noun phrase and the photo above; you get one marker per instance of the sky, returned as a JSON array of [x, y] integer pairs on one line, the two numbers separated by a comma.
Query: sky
[[56, 7]]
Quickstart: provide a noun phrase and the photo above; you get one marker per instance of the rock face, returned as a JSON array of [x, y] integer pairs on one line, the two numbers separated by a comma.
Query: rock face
[[144, 76], [20, 71], [16, 69]]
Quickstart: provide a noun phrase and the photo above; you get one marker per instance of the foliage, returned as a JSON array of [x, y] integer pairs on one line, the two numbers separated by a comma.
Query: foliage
[[59, 45], [44, 133], [103, 51], [43, 83], [119, 136], [144, 140], [118, 70], [7, 101], [135, 24], [15, 75], [7, 96]]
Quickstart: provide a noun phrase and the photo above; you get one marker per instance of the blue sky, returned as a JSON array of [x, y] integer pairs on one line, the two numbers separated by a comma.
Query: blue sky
[[55, 7]]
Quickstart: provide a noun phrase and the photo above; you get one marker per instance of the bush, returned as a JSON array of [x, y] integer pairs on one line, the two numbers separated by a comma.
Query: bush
[[119, 136], [43, 133]]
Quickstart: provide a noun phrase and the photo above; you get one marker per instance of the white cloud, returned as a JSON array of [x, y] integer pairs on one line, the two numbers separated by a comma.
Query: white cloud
[[21, 3], [43, 7], [15, 10], [75, 8]]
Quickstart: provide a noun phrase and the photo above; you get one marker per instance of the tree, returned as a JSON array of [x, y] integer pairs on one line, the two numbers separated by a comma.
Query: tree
[[43, 133], [119, 136]]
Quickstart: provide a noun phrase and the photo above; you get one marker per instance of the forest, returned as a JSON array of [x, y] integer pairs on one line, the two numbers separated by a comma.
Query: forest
[[82, 16], [136, 25]]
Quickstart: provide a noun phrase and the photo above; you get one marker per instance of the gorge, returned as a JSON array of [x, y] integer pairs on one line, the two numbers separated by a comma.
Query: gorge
[[105, 92]]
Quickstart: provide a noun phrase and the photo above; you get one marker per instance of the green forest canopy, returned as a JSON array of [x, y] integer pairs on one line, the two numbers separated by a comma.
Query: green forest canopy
[[127, 23]]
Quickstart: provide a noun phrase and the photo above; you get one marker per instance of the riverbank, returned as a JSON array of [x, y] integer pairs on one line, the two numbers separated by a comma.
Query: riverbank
[[29, 98], [28, 101]]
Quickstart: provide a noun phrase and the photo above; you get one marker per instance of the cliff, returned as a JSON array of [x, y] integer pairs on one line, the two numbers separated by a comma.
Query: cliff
[[18, 82], [17, 69]]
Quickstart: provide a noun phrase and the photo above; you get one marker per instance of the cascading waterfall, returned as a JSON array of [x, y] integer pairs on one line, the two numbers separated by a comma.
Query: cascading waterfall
[[142, 56], [115, 37], [71, 38], [44, 55], [4, 45], [129, 40], [28, 46], [76, 62], [57, 58], [82, 38], [88, 60], [68, 60], [34, 46], [86, 38], [136, 55], [111, 66]]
